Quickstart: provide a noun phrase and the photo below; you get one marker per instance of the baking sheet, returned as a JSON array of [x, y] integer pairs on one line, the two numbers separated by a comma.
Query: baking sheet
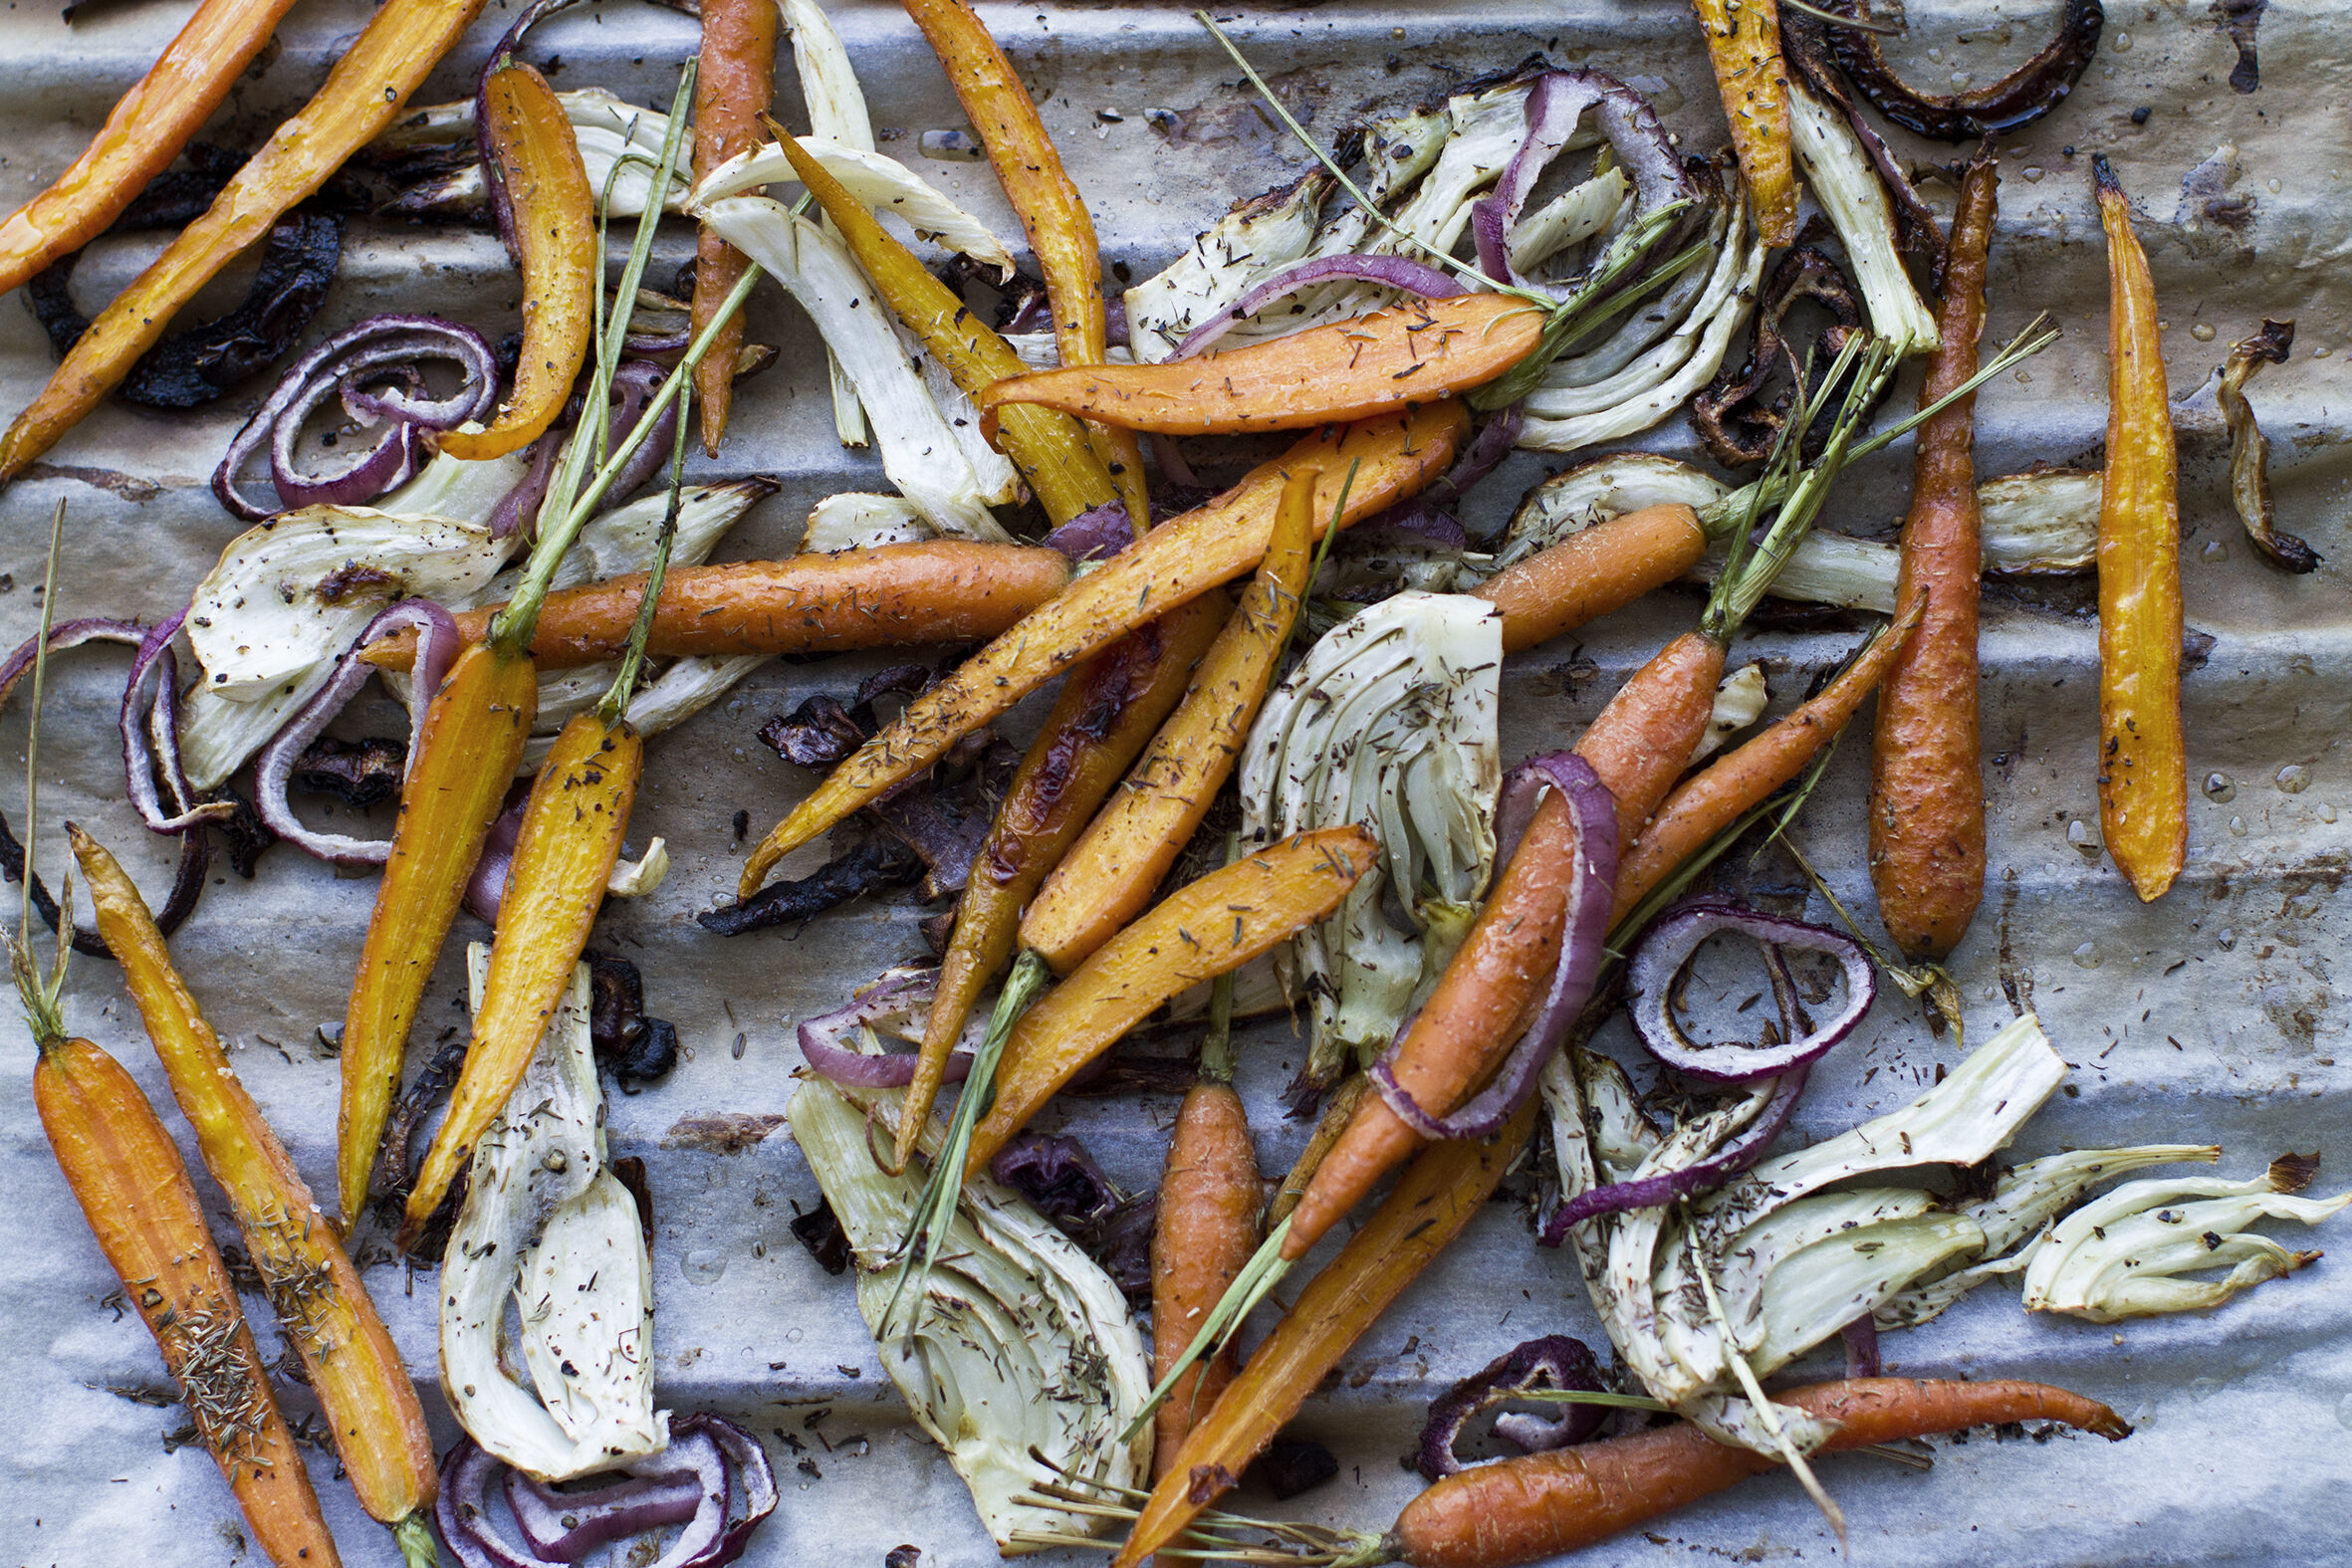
[[2212, 1016]]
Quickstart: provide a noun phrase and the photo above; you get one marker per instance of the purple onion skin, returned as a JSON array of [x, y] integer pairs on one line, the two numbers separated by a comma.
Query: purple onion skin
[[820, 1038], [1555, 1361], [1592, 892], [1861, 1341], [1392, 272], [564, 1526], [1095, 535], [143, 719], [1667, 949], [1652, 1191]]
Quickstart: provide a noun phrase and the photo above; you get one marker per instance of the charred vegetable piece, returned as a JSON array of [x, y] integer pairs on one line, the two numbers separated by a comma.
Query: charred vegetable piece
[[572, 827], [1106, 712], [733, 86], [942, 591], [1994, 109], [1927, 786], [1744, 46], [1389, 459], [1111, 874], [1053, 214], [323, 1308], [2250, 449], [537, 170], [145, 132], [2143, 760], [1209, 928], [363, 93], [1404, 356], [1049, 449], [1430, 1203], [468, 748], [1736, 427]]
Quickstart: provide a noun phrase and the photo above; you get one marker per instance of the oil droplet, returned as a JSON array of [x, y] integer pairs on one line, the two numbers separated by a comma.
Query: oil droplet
[[2033, 173], [2219, 787], [2122, 44], [2202, 332], [2322, 351], [2295, 779], [2327, 813], [2214, 552], [2238, 827], [2203, 1389], [2276, 187], [2078, 834], [2226, 939], [2087, 956], [1960, 79], [702, 1266]]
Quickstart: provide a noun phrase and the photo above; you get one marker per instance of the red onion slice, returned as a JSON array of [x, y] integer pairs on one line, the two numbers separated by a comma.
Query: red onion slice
[[1650, 1192], [63, 635], [635, 382], [1482, 457], [1861, 1337], [1390, 271], [339, 367], [485, 890], [518, 510], [564, 1526], [1555, 102], [747, 1468], [1096, 534], [1592, 892], [1666, 950], [1553, 1362], [436, 647], [902, 994], [144, 719]]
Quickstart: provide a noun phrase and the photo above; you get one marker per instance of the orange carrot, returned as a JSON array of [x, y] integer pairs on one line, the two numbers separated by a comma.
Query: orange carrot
[[1593, 572], [1112, 871], [1206, 1229], [1538, 1506], [1208, 928], [1107, 711], [1430, 1203], [1184, 557], [324, 1310], [1713, 798], [1402, 356], [1744, 45], [135, 1194], [942, 591], [734, 84], [1927, 786], [2143, 756]]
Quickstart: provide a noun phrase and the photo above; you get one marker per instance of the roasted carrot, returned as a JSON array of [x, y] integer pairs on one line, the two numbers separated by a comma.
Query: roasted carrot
[[348, 1358], [1179, 560], [1053, 214], [1205, 1231], [468, 748], [1593, 572], [535, 163], [1208, 928], [1426, 1209], [1338, 1110], [941, 590], [148, 127], [1521, 1510], [135, 1194], [364, 92], [1927, 786], [1403, 356], [1108, 709], [573, 825], [1050, 450], [1112, 871], [2143, 757], [1744, 46], [1714, 797], [733, 83]]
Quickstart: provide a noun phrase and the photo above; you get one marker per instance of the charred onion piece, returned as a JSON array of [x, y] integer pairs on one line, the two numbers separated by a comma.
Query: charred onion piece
[[2015, 102], [1738, 428], [193, 367], [1805, 46], [638, 1047], [2250, 449], [360, 774], [1654, 976], [878, 863], [1555, 1361]]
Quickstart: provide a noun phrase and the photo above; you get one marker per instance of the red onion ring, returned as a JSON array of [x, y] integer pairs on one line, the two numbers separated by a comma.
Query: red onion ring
[[1390, 271], [564, 1526], [436, 647], [1666, 950], [150, 737], [337, 368], [2015, 102], [634, 381], [485, 890], [820, 1038], [518, 509], [1555, 102], [1555, 1361], [1593, 891], [1650, 1192]]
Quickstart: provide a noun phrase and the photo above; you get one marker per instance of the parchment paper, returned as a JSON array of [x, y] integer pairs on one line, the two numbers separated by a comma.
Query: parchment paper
[[2210, 1015]]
